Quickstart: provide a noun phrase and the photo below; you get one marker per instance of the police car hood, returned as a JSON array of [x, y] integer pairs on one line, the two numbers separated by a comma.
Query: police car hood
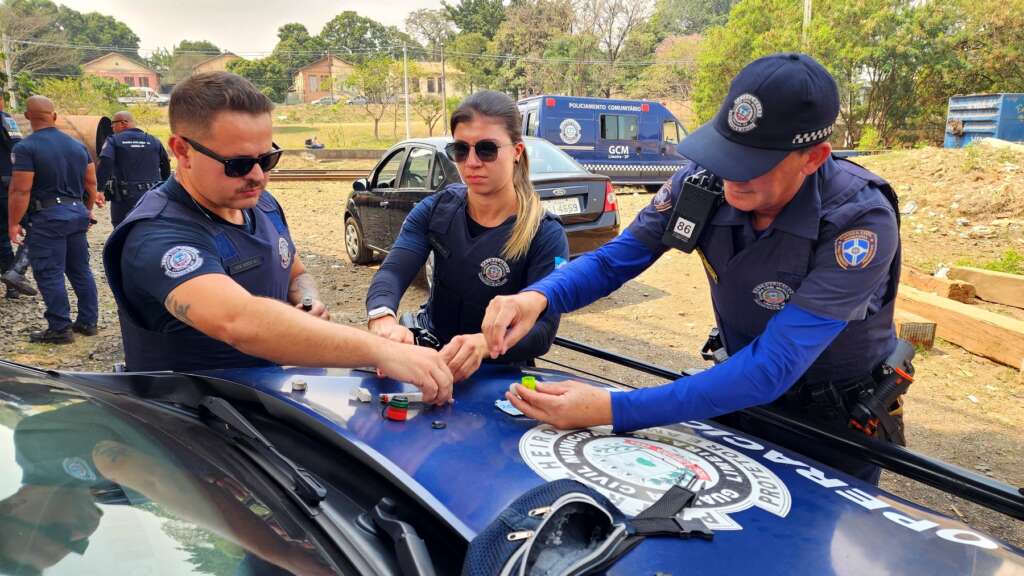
[[772, 511]]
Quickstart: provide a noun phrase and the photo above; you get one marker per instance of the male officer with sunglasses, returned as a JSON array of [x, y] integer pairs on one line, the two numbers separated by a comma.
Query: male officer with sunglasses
[[204, 269], [131, 162], [802, 253]]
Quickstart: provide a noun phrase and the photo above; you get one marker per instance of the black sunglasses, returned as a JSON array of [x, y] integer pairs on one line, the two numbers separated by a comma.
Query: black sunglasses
[[240, 166], [486, 150]]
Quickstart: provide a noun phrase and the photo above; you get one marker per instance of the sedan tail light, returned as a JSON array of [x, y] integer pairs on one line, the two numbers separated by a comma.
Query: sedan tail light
[[609, 197]]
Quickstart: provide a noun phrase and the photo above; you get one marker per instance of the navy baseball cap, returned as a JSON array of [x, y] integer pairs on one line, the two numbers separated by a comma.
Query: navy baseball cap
[[777, 104]]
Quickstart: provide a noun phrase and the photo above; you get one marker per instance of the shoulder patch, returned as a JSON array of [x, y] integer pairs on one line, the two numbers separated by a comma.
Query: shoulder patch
[[181, 260], [856, 248], [663, 199]]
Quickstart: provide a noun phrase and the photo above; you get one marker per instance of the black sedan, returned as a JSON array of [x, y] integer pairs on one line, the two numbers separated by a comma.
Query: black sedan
[[414, 169]]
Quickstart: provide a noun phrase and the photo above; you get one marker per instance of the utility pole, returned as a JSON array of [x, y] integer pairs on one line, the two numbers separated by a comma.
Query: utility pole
[[9, 86], [405, 75], [330, 74], [444, 94], [807, 23]]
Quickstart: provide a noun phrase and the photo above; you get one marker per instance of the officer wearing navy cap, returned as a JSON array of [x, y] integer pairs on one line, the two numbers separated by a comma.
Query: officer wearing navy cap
[[801, 250], [54, 183], [204, 269], [131, 162]]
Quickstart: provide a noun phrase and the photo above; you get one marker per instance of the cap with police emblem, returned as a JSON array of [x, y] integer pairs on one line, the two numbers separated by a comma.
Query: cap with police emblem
[[777, 104]]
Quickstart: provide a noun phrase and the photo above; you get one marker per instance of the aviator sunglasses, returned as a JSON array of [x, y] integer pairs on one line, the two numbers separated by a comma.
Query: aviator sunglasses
[[486, 150], [241, 165]]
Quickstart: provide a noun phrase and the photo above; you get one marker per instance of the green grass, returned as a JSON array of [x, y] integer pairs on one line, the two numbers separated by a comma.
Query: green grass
[[1011, 262]]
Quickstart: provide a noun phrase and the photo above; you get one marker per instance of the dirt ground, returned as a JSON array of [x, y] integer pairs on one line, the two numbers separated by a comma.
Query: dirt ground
[[961, 409]]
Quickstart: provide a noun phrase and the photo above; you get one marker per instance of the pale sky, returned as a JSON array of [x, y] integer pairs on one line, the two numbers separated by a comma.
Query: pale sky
[[245, 27]]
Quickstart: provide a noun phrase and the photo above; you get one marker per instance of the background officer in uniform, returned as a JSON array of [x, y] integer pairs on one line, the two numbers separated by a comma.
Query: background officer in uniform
[[802, 258], [204, 269], [490, 236], [10, 134], [55, 184], [131, 162]]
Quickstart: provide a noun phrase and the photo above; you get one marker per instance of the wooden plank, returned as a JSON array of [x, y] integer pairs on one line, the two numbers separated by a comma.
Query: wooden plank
[[977, 330], [954, 289], [998, 287], [915, 329]]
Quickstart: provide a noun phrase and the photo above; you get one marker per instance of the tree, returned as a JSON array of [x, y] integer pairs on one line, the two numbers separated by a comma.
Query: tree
[[268, 74], [468, 53], [33, 40], [480, 16], [429, 27], [357, 38], [528, 27], [84, 95], [296, 48], [681, 17], [429, 109], [672, 73], [374, 79], [94, 29], [611, 22]]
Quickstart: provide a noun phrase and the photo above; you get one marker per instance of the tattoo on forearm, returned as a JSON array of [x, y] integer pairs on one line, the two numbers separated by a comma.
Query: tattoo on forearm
[[179, 310], [303, 285]]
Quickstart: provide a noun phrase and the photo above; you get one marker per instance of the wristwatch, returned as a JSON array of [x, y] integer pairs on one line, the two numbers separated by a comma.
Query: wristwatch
[[381, 312]]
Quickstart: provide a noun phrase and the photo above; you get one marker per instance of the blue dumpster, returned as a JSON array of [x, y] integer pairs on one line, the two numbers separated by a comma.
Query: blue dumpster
[[984, 116]]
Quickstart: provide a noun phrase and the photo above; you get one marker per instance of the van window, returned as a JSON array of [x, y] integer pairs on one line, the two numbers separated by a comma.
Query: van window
[[615, 127], [532, 123], [670, 132]]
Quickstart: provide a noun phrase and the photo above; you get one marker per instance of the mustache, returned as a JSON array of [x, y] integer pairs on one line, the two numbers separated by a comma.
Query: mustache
[[251, 184]]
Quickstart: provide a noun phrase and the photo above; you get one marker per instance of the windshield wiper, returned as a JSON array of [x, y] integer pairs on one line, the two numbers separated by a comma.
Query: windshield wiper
[[232, 423]]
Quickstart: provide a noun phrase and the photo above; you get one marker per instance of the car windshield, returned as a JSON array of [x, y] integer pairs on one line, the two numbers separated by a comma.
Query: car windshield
[[545, 158], [86, 489]]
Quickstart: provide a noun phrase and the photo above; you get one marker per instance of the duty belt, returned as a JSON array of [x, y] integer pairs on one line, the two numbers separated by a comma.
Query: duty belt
[[38, 205]]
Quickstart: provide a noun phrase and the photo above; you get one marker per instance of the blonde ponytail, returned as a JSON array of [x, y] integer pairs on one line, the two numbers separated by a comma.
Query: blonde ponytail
[[528, 212]]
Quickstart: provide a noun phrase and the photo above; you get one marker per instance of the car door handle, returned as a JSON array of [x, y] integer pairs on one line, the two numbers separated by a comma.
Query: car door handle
[[384, 204]]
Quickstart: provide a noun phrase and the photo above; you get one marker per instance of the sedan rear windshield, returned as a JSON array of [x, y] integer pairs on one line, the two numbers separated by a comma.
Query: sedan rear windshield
[[545, 158]]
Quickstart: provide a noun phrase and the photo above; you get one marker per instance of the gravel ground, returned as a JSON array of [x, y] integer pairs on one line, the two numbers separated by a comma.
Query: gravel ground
[[962, 409]]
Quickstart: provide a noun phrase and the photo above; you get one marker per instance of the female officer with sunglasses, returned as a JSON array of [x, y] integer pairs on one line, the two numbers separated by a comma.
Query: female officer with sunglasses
[[490, 237], [204, 269]]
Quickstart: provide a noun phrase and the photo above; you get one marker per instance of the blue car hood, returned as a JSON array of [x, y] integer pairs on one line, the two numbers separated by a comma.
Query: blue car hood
[[772, 510]]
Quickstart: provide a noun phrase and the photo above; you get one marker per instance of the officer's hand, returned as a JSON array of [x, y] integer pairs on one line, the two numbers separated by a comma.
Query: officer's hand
[[464, 353], [564, 405], [509, 318], [388, 327], [419, 366], [100, 201], [15, 233], [319, 310]]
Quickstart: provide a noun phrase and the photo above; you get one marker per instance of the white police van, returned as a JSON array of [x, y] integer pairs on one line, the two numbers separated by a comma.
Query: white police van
[[631, 141]]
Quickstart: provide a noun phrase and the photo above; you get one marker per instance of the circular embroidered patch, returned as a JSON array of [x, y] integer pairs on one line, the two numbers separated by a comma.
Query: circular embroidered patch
[[78, 469], [570, 131], [285, 251], [181, 260], [772, 295], [494, 272], [746, 110], [856, 248]]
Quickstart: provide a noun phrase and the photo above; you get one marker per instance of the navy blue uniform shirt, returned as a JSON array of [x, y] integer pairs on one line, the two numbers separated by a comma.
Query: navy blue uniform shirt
[[58, 161], [133, 156]]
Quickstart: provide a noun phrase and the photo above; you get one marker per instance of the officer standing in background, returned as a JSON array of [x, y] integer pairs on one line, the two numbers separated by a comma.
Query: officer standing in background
[[54, 183], [131, 162], [204, 269], [802, 253], [13, 275]]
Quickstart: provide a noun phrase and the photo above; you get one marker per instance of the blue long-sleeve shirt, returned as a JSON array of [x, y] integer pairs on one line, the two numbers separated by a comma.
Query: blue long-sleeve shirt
[[757, 374]]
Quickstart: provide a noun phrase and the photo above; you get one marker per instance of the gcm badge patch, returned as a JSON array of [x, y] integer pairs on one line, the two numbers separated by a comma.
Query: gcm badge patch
[[181, 260], [856, 248]]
